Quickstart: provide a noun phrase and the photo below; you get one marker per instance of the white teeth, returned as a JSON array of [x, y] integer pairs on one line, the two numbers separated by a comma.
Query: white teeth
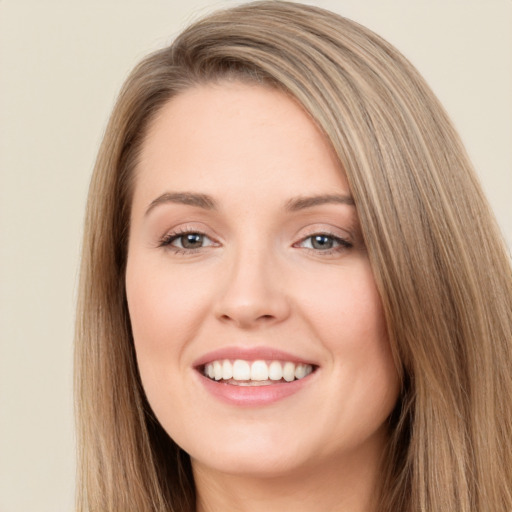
[[227, 370], [217, 370], [259, 370], [241, 370], [289, 372], [275, 371], [263, 372], [300, 371]]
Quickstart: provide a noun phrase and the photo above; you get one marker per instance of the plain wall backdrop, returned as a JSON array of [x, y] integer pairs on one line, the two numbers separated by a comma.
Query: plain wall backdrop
[[61, 66]]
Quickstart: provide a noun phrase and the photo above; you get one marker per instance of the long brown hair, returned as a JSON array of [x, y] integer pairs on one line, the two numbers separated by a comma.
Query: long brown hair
[[440, 264]]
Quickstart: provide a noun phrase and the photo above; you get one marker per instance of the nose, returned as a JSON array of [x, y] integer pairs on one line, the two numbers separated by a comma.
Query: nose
[[252, 293]]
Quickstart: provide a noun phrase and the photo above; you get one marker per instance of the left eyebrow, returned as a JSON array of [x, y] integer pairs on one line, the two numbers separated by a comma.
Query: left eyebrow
[[301, 203]]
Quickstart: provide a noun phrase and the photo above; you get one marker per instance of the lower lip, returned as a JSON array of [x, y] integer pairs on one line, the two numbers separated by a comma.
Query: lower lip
[[253, 396]]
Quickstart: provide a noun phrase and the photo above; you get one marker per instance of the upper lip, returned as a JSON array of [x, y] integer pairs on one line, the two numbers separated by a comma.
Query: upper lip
[[250, 354]]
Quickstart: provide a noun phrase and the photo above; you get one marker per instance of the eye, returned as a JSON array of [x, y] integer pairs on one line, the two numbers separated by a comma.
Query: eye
[[325, 242], [186, 241]]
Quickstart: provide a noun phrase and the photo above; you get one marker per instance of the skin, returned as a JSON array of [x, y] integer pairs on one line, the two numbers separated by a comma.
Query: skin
[[257, 279]]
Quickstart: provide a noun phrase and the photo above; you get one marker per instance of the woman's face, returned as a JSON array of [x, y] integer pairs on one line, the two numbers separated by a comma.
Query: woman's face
[[246, 263]]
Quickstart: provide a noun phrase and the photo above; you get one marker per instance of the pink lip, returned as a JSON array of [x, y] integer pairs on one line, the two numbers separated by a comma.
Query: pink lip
[[253, 396], [249, 354]]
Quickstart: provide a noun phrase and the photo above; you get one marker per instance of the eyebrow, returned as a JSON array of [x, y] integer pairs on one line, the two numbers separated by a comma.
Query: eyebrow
[[208, 203], [189, 198], [301, 203]]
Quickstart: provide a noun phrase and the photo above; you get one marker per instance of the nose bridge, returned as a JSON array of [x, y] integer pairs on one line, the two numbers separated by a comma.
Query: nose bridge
[[252, 293]]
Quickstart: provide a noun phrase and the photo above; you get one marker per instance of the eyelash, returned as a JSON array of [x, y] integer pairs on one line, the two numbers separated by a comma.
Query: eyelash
[[168, 239]]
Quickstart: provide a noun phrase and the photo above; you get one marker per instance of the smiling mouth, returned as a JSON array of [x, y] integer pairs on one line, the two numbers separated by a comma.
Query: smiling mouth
[[241, 372]]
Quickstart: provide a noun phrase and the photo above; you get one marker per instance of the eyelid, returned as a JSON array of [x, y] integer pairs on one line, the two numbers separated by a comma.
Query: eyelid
[[344, 239], [328, 230], [175, 233], [177, 236], [342, 244]]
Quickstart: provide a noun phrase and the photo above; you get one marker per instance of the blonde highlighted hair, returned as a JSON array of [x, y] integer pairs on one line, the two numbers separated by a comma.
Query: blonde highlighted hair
[[440, 264]]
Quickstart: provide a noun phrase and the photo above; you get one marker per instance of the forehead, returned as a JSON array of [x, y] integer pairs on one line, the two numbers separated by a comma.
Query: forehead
[[234, 138]]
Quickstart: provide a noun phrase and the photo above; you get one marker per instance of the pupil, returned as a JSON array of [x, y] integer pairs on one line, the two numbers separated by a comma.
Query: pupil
[[322, 242], [192, 240]]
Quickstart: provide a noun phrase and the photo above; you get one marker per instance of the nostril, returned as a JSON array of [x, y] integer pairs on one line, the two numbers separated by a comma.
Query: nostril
[[234, 317]]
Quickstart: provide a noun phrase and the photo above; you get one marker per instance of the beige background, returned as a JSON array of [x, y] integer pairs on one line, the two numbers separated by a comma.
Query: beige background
[[61, 65]]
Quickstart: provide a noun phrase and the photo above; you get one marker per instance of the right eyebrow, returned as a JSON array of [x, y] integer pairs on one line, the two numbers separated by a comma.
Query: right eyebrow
[[188, 198]]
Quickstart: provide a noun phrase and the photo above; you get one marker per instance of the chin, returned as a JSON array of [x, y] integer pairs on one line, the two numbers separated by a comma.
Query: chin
[[251, 464], [251, 454]]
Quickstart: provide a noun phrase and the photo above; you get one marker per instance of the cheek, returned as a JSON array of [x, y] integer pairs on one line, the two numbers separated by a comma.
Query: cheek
[[346, 314], [366, 359], [165, 311], [364, 346], [345, 307]]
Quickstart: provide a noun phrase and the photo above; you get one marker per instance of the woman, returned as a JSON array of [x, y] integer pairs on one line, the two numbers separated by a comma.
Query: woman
[[293, 293]]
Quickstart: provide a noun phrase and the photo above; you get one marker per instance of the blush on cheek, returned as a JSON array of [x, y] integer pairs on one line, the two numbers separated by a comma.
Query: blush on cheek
[[163, 316]]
